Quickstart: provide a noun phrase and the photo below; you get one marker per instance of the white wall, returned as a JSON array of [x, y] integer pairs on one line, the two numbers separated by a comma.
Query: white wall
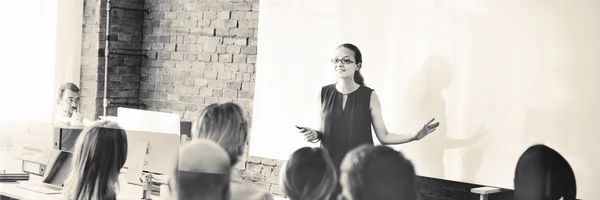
[[500, 76], [69, 29], [41, 50]]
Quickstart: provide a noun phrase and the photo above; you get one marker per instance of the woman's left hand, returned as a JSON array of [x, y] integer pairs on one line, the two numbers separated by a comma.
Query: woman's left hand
[[428, 128]]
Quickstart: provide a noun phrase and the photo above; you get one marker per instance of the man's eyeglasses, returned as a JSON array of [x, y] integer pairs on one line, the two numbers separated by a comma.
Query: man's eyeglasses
[[344, 61]]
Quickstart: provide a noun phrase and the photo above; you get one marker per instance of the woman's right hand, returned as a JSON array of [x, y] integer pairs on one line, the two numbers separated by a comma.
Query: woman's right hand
[[310, 135]]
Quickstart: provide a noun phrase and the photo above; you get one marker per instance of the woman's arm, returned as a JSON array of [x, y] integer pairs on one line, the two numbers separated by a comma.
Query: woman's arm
[[319, 129], [381, 131], [320, 110], [313, 135]]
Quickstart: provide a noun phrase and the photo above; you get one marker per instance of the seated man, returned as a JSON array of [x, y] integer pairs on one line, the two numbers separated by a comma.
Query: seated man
[[377, 172], [68, 104], [203, 172]]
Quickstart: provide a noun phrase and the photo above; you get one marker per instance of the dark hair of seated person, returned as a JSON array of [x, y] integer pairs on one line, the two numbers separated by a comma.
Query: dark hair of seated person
[[543, 174], [308, 174], [377, 172]]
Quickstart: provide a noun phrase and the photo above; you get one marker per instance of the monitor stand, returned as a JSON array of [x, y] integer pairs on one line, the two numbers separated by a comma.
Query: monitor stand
[[135, 170]]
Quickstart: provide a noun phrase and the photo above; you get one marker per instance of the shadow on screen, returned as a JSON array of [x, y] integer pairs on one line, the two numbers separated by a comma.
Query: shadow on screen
[[423, 100], [58, 167]]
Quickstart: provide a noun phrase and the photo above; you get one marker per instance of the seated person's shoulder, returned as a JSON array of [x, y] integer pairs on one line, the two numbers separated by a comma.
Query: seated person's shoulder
[[241, 190]]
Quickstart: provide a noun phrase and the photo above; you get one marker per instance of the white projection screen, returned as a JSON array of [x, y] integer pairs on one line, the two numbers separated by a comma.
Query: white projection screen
[[499, 75]]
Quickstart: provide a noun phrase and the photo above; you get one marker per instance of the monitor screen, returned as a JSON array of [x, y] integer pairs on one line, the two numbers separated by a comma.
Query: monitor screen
[[58, 167], [65, 138]]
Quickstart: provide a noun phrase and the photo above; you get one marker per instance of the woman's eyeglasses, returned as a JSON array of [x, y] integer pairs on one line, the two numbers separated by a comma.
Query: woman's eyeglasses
[[344, 61]]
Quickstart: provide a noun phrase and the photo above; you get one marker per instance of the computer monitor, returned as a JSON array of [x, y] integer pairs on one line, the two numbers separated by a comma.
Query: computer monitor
[[53, 181], [159, 130], [65, 138], [58, 167], [145, 120], [162, 150]]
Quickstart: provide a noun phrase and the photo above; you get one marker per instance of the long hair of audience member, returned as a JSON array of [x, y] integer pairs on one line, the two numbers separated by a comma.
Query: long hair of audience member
[[224, 124], [100, 153], [543, 174], [309, 174], [377, 172]]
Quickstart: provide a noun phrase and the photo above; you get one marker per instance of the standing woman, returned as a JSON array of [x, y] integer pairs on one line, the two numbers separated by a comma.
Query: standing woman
[[348, 110]]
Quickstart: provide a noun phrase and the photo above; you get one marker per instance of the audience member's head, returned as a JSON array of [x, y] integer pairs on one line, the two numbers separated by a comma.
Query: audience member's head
[[224, 124], [377, 172], [203, 172], [543, 174], [67, 98], [308, 174], [100, 153]]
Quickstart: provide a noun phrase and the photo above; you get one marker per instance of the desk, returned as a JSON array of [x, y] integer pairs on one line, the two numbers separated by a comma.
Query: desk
[[8, 163], [10, 189]]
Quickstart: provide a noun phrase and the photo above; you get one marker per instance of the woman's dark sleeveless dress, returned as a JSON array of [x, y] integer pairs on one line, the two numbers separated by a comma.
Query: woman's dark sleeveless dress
[[347, 128]]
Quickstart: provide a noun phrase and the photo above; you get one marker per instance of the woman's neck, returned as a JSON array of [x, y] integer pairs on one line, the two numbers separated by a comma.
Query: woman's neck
[[346, 85]]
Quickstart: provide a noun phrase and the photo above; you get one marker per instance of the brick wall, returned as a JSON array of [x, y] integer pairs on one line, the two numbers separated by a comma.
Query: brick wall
[[126, 54], [204, 52], [124, 62], [199, 52], [437, 189]]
